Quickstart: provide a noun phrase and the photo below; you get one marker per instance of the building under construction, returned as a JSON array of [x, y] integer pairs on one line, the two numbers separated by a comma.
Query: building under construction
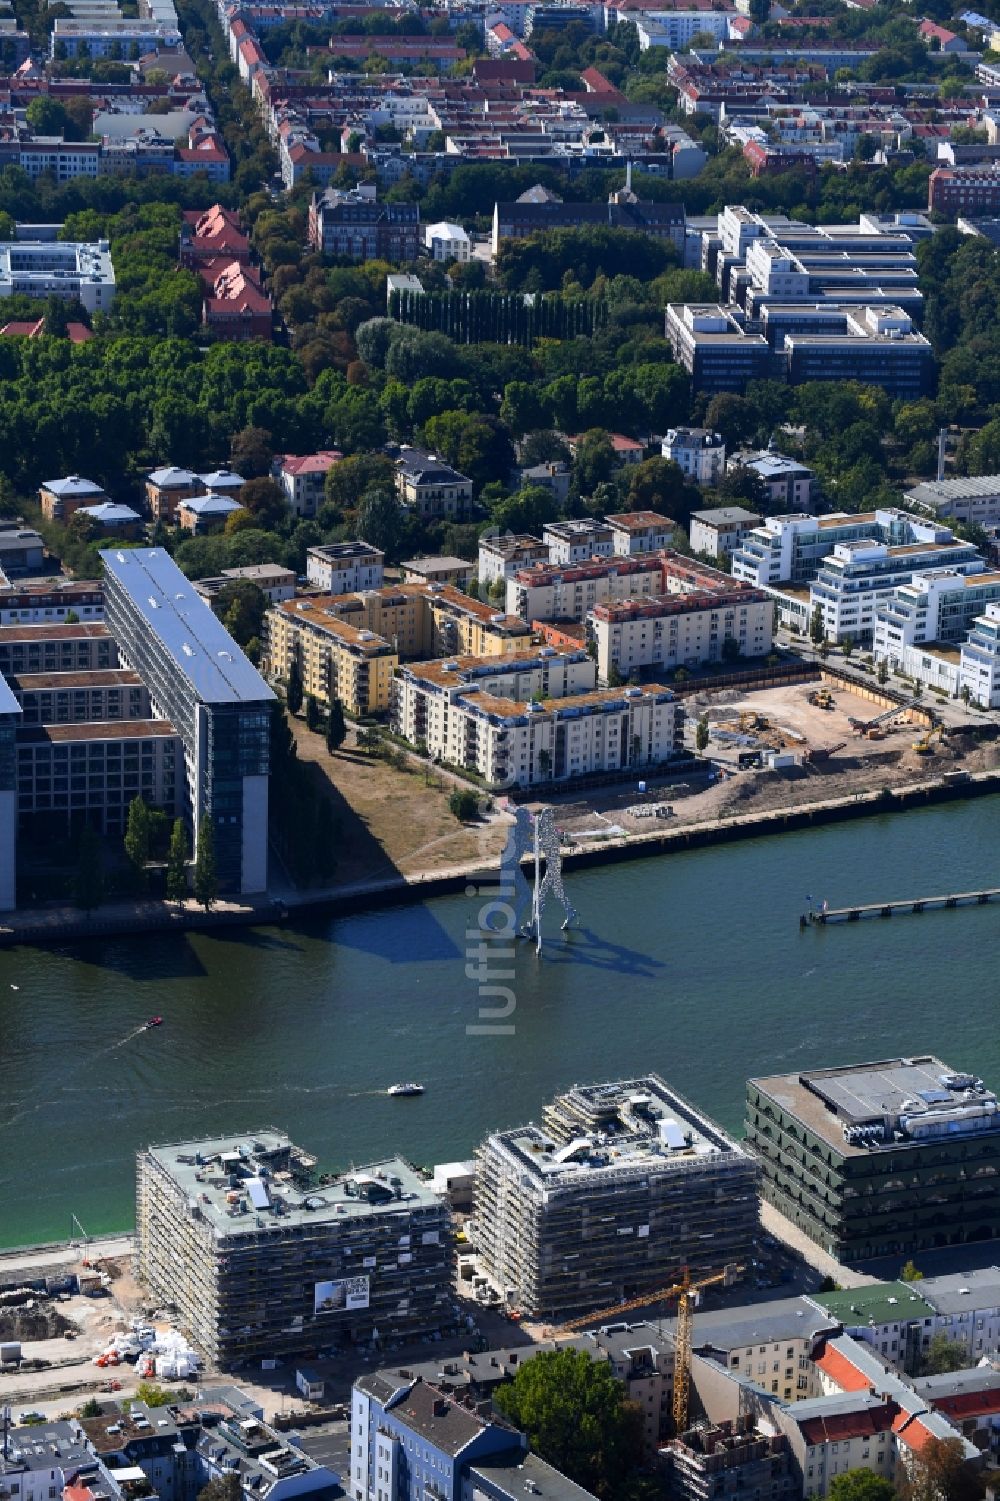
[[717, 1462], [262, 1255], [621, 1187]]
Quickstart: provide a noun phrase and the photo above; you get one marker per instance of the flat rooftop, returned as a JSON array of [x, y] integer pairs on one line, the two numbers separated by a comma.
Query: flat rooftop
[[32, 633], [639, 1124], [943, 491], [109, 677], [879, 1303], [460, 672], [726, 516], [114, 729], [195, 640], [260, 1180], [885, 1105], [345, 552]]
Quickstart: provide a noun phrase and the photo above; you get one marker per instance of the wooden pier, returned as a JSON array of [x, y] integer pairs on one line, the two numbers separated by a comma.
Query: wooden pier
[[894, 909]]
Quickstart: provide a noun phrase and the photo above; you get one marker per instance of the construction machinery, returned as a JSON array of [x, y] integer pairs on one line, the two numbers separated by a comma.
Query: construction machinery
[[821, 698], [686, 1292], [923, 747], [862, 726]]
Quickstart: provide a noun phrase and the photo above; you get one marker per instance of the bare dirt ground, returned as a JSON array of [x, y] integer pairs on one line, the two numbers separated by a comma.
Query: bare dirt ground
[[848, 765], [393, 821], [59, 1339]]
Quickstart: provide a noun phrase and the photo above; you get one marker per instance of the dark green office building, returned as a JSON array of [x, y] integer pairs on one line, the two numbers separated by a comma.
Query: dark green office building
[[879, 1158]]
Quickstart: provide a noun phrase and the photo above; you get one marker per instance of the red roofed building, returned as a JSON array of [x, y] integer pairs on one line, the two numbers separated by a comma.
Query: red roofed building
[[302, 477], [945, 40], [237, 307], [766, 161], [595, 82], [214, 233], [508, 69], [841, 1371], [204, 152], [77, 1493], [77, 333]]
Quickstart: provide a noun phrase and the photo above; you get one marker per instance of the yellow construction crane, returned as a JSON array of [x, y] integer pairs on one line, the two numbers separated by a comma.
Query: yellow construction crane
[[686, 1292]]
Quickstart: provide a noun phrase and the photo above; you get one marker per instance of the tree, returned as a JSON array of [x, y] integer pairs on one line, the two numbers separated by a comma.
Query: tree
[[137, 836], [575, 1415], [847, 647], [730, 649], [883, 670], [701, 735], [251, 452], [336, 726], [265, 500], [152, 1395], [206, 887], [241, 604], [939, 1473], [817, 630], [381, 520], [88, 884], [312, 713], [46, 116], [223, 1488], [911, 1273], [293, 688], [658, 485], [860, 1485], [743, 486], [177, 856], [373, 340], [464, 804], [944, 1355], [347, 481]]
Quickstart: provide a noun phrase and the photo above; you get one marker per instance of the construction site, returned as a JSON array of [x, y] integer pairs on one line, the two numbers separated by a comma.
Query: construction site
[[620, 1187], [261, 1256], [783, 747]]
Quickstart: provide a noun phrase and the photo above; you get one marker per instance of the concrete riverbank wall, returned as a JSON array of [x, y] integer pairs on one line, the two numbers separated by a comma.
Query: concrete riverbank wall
[[63, 925]]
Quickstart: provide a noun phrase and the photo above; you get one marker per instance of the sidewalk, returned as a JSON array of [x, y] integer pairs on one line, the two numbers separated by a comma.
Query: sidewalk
[[59, 924], [775, 1223], [56, 924]]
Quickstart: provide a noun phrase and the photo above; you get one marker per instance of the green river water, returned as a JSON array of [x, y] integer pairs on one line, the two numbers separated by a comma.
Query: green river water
[[692, 964]]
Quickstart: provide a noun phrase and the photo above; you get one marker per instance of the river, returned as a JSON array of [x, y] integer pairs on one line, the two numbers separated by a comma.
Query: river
[[692, 964]]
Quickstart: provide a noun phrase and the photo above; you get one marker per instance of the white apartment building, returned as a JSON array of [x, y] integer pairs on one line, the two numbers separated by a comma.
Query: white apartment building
[[105, 38], [501, 556], [526, 741], [682, 630], [636, 533], [790, 548], [548, 593], [720, 531], [447, 242], [59, 268], [971, 500], [980, 660], [698, 451], [571, 542], [424, 691], [920, 629], [675, 28], [345, 567], [303, 478], [857, 576]]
